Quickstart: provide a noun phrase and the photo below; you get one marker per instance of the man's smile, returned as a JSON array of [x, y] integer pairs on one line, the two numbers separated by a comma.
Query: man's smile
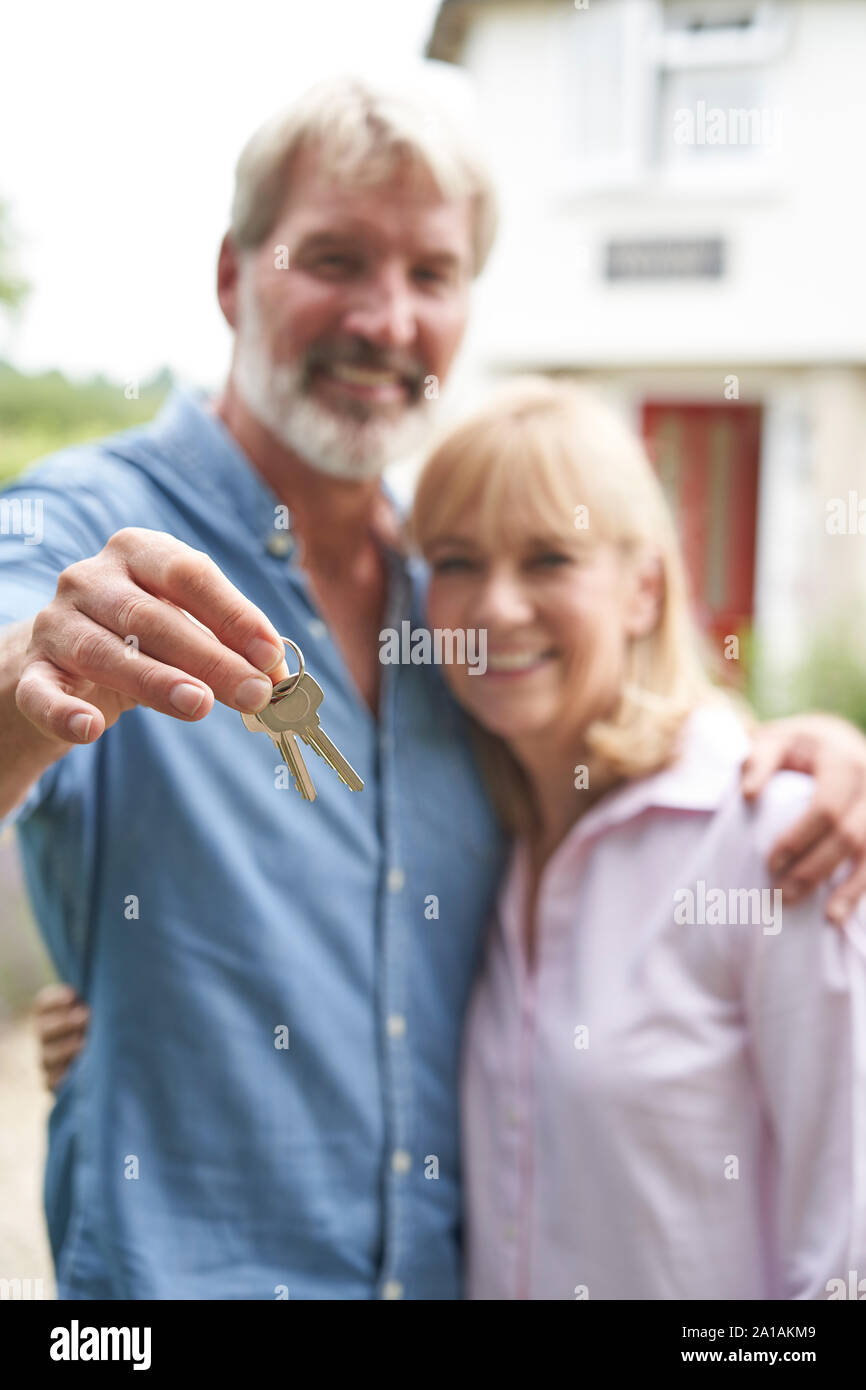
[[375, 384]]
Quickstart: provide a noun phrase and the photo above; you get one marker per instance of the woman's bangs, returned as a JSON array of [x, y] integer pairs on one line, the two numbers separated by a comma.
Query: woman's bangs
[[526, 492], [525, 475]]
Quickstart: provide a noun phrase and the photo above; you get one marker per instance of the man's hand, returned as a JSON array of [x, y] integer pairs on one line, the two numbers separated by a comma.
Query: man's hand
[[118, 634], [61, 1026], [834, 828]]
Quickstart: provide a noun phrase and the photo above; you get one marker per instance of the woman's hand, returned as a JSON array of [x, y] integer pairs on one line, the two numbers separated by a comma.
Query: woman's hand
[[833, 830], [61, 1020]]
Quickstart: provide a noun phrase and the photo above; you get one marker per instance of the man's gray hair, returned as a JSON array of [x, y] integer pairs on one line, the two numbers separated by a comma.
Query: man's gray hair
[[362, 132]]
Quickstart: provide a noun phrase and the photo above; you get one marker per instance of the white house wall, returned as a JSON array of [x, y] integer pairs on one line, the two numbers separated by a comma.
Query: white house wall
[[795, 290]]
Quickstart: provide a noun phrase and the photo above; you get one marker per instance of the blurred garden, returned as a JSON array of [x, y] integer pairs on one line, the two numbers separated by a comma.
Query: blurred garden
[[39, 414], [43, 412]]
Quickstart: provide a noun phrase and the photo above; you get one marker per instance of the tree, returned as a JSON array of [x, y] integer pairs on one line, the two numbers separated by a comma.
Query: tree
[[12, 289]]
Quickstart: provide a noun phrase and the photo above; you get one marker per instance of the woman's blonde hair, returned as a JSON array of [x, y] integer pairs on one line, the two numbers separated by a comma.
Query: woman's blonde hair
[[543, 458]]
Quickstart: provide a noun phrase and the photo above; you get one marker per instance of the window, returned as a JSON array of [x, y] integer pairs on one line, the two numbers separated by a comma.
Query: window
[[716, 67], [670, 86], [606, 92]]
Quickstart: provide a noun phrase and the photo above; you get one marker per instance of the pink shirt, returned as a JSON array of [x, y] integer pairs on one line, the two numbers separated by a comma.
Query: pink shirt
[[672, 1104]]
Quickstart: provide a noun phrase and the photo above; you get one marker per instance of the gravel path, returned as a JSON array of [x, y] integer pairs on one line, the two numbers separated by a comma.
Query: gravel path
[[24, 1107]]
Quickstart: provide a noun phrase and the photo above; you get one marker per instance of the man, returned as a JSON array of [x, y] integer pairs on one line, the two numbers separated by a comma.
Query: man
[[266, 1105]]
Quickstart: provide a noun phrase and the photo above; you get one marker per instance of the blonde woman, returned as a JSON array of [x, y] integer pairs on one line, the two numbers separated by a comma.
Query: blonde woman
[[664, 1085]]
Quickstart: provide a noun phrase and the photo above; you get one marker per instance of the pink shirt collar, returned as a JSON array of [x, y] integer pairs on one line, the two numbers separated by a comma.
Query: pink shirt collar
[[712, 745]]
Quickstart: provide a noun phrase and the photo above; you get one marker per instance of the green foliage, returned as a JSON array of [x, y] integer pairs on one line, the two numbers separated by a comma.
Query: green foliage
[[44, 412], [830, 676]]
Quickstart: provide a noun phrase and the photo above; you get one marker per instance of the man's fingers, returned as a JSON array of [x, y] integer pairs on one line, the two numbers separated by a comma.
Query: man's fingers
[[40, 696], [763, 761], [89, 652], [151, 627], [92, 655], [805, 873], [833, 828], [170, 569], [845, 895], [149, 601], [799, 839]]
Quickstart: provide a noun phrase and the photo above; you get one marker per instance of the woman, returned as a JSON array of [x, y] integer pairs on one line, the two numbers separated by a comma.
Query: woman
[[664, 1087]]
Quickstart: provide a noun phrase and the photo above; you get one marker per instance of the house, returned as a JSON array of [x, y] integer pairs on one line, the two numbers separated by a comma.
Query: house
[[683, 225]]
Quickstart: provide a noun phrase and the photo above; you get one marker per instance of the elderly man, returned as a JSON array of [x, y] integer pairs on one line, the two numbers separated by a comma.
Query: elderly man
[[266, 1104]]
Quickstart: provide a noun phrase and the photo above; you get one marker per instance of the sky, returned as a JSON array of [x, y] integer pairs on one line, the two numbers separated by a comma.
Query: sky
[[121, 127]]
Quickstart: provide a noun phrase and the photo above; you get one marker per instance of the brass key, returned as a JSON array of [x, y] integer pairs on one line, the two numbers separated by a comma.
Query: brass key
[[292, 713], [282, 737], [297, 713], [284, 742]]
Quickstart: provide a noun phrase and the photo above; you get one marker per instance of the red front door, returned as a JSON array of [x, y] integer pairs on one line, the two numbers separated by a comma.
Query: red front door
[[707, 459]]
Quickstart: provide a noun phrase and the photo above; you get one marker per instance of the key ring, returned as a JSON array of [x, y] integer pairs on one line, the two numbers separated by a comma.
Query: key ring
[[283, 687]]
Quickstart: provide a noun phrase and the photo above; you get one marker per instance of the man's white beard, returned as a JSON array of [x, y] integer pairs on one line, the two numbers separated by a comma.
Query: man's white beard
[[332, 443]]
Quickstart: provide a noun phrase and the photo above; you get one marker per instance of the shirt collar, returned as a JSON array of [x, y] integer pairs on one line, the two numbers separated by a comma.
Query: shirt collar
[[192, 433], [712, 745]]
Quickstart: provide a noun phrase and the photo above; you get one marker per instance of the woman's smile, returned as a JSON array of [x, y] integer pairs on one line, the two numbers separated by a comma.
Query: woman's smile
[[512, 663]]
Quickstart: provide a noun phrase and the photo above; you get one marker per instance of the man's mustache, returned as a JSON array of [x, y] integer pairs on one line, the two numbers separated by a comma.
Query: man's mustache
[[358, 352]]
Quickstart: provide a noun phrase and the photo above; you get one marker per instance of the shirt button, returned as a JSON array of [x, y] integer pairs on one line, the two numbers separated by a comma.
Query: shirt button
[[317, 628], [396, 1026], [510, 1234], [392, 1289], [396, 879], [280, 544], [401, 1161]]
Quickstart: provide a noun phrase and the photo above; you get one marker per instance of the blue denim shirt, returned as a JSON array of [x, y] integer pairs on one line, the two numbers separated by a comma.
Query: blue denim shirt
[[208, 915]]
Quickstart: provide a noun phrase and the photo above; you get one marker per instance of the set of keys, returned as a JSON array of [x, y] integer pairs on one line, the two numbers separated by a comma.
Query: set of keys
[[293, 714]]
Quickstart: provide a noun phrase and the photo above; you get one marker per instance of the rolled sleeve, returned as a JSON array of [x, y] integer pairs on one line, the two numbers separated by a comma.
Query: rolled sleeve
[[47, 522]]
